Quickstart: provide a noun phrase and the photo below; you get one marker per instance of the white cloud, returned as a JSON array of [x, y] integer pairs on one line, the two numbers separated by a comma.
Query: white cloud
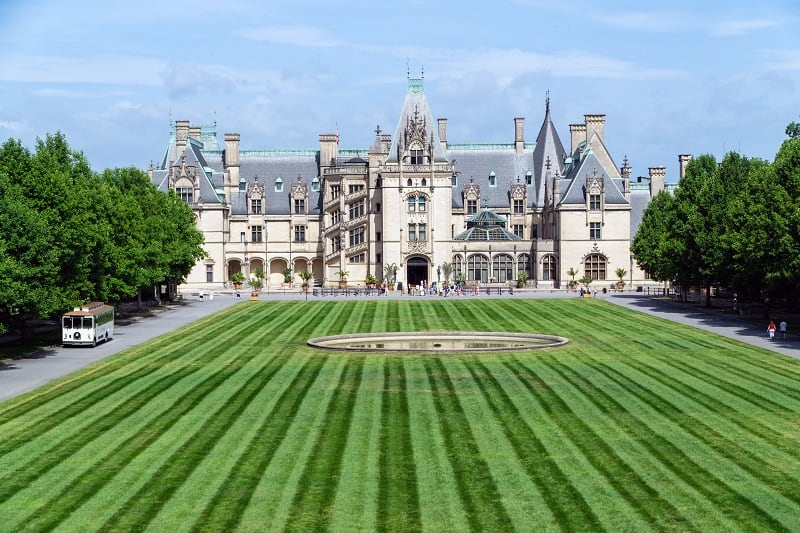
[[10, 125], [105, 69], [305, 36], [733, 28]]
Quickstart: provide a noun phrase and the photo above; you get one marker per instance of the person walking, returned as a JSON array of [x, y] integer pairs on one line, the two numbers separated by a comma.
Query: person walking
[[771, 330], [782, 328]]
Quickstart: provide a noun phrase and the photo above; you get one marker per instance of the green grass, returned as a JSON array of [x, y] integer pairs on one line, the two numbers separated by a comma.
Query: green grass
[[235, 423]]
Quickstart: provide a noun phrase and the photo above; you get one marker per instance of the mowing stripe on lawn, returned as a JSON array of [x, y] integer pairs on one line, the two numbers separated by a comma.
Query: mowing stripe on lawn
[[226, 508], [477, 490], [564, 500], [355, 506], [142, 506], [684, 466], [115, 460], [320, 479], [398, 499], [16, 480], [27, 403], [440, 504]]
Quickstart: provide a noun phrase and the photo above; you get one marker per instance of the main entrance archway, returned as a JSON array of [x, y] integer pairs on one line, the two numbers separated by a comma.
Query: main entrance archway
[[417, 271]]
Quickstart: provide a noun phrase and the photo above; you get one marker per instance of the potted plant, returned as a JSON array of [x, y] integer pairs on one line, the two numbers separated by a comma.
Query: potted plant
[[447, 270], [586, 281], [237, 278], [572, 273], [287, 276], [342, 278], [391, 275], [620, 272], [305, 275], [370, 281], [256, 283], [461, 279], [522, 279]]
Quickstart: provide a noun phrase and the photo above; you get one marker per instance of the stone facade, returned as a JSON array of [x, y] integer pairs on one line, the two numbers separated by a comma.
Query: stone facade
[[412, 200]]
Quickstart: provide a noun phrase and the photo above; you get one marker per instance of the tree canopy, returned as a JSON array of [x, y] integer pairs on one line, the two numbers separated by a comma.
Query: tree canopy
[[69, 235], [733, 224]]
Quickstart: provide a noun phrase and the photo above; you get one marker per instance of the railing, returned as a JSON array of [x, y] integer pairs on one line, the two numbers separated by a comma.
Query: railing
[[332, 203], [352, 250], [358, 195], [357, 221]]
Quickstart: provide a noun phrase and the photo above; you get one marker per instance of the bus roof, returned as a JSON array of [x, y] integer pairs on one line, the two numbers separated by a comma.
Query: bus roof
[[92, 308]]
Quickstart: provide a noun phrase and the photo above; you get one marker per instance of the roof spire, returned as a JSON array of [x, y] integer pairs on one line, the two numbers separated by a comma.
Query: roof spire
[[547, 102]]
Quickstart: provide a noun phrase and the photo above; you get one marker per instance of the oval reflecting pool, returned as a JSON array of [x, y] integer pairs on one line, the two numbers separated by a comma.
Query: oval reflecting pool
[[438, 341]]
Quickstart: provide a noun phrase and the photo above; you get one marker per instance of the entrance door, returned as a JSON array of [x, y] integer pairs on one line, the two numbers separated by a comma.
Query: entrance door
[[417, 271]]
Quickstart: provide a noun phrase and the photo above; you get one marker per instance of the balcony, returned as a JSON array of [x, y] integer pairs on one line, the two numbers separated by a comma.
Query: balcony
[[358, 221], [353, 250], [358, 195]]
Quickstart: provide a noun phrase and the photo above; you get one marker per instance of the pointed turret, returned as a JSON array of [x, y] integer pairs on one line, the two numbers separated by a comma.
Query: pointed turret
[[548, 148], [416, 129]]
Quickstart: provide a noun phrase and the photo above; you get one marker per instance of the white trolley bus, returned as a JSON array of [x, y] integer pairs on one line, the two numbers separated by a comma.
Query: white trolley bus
[[88, 325]]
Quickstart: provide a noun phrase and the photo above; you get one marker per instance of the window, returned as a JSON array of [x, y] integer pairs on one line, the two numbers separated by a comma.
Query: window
[[421, 203], [357, 236], [358, 258], [256, 234], [412, 203], [255, 206], [528, 178], [549, 268], [594, 231], [186, 194], [503, 268], [412, 232], [524, 264], [422, 232], [315, 185], [454, 181], [408, 182], [458, 264], [378, 258], [416, 157], [378, 207], [356, 210], [595, 267], [519, 207], [378, 236], [336, 243], [336, 190], [209, 273], [242, 184], [299, 234], [519, 230], [336, 217], [535, 231], [300, 206], [478, 268], [472, 207], [278, 185], [492, 179], [241, 236], [355, 188], [594, 202]]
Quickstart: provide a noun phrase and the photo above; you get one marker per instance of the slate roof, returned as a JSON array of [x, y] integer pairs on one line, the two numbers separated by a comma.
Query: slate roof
[[416, 103]]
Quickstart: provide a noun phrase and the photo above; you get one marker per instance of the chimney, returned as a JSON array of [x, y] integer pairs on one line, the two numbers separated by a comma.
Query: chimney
[[328, 149], [656, 180], [577, 134], [194, 132], [442, 122], [230, 161], [594, 124], [519, 135], [181, 134], [683, 160]]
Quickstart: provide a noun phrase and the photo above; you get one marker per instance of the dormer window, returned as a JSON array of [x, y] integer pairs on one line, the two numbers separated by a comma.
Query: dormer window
[[255, 206], [242, 184], [416, 157], [278, 185], [492, 179], [315, 185], [528, 178]]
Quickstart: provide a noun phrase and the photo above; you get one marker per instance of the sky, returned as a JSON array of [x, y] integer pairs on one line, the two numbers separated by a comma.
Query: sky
[[680, 77]]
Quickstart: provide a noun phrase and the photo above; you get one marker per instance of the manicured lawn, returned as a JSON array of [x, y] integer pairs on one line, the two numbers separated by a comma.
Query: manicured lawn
[[233, 422]]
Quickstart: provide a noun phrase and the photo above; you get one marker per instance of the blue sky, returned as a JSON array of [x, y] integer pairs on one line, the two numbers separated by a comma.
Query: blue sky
[[677, 77]]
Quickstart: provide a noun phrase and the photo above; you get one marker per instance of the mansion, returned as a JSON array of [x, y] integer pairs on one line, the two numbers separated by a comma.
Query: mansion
[[414, 201]]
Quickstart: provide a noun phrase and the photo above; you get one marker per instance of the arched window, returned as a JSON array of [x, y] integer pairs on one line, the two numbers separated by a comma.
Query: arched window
[[408, 182], [595, 266], [503, 268], [492, 179], [524, 264], [421, 204], [528, 178], [478, 268], [549, 267], [458, 264]]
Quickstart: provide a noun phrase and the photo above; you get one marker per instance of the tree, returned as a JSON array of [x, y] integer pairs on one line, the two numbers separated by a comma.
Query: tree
[[447, 270], [657, 245]]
